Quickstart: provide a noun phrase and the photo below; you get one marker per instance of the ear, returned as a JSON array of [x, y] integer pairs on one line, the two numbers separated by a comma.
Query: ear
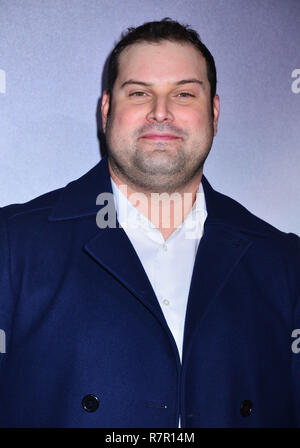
[[105, 108], [216, 112]]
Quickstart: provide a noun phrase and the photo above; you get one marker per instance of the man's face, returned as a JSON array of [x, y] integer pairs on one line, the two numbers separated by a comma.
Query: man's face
[[161, 126]]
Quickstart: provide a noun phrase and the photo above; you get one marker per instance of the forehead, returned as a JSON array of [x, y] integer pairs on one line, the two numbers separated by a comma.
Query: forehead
[[161, 62]]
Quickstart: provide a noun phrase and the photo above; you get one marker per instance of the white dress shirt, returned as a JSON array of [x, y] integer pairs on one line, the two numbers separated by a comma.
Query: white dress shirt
[[168, 264]]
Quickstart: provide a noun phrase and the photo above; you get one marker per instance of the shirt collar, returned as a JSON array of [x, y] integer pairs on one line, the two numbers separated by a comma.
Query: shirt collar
[[128, 214]]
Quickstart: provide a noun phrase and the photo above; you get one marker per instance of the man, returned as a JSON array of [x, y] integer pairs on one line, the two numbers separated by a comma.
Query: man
[[184, 309]]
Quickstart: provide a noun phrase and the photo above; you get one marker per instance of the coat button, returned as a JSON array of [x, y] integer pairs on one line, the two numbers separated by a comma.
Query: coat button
[[246, 408], [90, 403]]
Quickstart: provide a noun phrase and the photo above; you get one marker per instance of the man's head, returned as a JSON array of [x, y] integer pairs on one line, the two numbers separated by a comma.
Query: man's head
[[160, 110]]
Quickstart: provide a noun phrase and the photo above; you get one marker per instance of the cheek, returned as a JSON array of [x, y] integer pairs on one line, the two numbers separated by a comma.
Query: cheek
[[194, 120], [128, 118]]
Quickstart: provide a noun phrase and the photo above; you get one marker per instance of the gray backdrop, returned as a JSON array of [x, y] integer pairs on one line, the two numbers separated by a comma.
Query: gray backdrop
[[51, 58]]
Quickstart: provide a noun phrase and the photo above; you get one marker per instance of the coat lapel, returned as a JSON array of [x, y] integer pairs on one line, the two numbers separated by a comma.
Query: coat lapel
[[220, 250], [228, 233], [226, 238], [112, 249], [109, 247]]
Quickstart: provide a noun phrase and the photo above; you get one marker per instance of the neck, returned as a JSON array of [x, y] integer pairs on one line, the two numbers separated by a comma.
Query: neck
[[166, 211]]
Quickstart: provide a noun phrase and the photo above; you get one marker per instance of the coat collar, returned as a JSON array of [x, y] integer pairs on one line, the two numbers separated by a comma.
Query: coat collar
[[229, 231], [78, 199]]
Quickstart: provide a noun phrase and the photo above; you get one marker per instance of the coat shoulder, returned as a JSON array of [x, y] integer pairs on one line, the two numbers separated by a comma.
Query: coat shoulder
[[237, 218], [237, 215], [40, 203]]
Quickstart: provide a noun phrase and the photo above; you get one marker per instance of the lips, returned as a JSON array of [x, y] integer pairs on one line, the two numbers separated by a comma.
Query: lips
[[154, 136]]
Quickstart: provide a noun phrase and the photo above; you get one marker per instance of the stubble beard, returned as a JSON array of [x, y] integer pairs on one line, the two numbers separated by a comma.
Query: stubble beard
[[165, 168]]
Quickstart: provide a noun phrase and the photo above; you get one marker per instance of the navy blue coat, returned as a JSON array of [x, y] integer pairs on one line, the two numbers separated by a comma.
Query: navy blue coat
[[81, 317]]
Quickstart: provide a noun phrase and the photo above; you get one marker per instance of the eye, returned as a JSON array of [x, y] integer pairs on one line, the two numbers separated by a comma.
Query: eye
[[185, 94], [139, 93]]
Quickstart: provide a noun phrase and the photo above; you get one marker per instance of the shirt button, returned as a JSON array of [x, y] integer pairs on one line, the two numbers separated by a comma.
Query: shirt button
[[164, 247], [166, 302]]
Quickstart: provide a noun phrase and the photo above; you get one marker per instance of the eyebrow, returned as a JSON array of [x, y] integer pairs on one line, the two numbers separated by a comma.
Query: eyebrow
[[146, 84]]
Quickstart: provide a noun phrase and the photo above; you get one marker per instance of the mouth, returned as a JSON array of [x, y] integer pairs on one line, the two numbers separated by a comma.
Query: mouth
[[164, 137]]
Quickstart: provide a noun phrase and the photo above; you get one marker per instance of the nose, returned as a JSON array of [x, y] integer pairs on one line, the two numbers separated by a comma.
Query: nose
[[160, 110]]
